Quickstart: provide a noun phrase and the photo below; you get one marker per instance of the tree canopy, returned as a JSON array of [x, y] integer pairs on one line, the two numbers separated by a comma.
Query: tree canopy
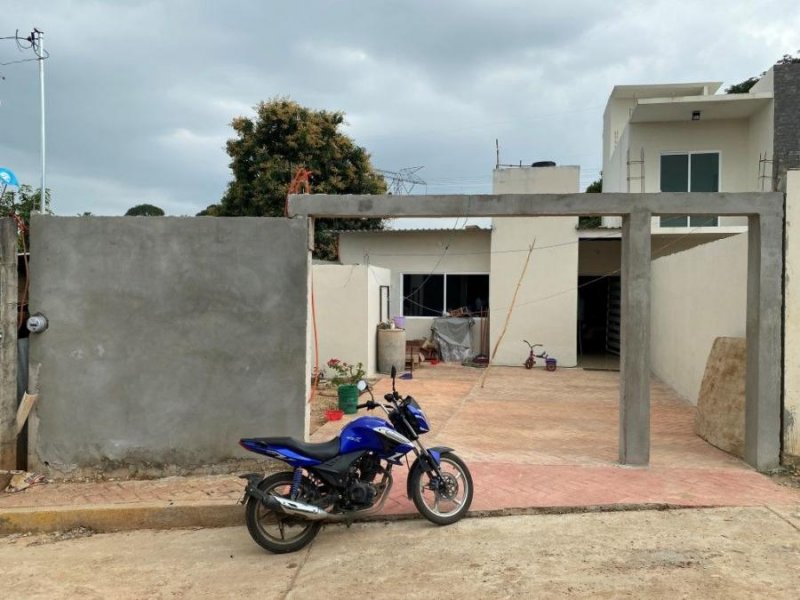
[[744, 86], [267, 150], [594, 222], [21, 203], [144, 210]]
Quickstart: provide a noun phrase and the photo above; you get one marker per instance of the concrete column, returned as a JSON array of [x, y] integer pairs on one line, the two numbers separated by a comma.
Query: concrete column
[[764, 307], [8, 344], [764, 328], [791, 327], [634, 401]]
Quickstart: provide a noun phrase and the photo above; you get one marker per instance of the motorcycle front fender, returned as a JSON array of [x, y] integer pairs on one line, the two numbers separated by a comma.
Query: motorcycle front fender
[[422, 463]]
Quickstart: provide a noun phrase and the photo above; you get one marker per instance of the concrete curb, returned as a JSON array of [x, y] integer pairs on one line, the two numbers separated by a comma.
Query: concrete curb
[[121, 517], [157, 515]]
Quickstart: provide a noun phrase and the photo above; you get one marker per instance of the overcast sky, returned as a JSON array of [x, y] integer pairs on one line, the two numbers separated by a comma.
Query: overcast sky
[[140, 94]]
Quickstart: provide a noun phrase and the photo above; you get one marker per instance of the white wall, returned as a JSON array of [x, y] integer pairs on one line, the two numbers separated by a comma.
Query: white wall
[[554, 270], [347, 304], [697, 296], [616, 115], [739, 141], [791, 331], [760, 142], [376, 277], [728, 137], [468, 251], [599, 257]]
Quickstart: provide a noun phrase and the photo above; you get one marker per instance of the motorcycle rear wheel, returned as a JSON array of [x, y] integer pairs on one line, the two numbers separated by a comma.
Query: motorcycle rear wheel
[[275, 532], [450, 503]]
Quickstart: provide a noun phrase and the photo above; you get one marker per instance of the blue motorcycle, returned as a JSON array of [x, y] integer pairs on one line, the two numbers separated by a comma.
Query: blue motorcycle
[[351, 476]]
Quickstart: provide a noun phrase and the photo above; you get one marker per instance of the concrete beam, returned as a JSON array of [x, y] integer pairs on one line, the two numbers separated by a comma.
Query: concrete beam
[[518, 205], [763, 388], [8, 343], [634, 395]]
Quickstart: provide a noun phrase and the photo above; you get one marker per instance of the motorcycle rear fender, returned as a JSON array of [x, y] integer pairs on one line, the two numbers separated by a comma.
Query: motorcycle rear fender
[[421, 463], [251, 489]]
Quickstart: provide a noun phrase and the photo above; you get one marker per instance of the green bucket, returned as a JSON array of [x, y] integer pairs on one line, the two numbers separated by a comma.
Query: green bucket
[[348, 398]]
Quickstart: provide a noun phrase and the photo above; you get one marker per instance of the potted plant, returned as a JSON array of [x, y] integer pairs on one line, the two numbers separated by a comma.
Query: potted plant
[[345, 377]]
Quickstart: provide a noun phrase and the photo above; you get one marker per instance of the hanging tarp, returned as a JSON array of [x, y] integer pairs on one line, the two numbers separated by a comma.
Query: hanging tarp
[[453, 335]]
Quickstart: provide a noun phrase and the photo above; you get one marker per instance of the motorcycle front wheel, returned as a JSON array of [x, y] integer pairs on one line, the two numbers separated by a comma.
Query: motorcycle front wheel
[[448, 500], [275, 532]]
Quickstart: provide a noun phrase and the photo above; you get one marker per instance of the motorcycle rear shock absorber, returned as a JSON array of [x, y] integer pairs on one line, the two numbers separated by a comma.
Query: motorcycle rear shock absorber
[[298, 478]]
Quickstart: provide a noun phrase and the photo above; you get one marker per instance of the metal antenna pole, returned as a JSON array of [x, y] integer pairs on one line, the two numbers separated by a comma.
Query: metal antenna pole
[[40, 53]]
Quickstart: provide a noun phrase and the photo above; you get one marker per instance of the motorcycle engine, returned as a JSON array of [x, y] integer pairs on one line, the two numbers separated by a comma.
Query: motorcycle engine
[[360, 490], [361, 494]]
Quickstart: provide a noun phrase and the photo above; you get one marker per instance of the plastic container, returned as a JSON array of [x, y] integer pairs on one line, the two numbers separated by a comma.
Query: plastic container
[[399, 322], [333, 414], [348, 398], [391, 350], [550, 364]]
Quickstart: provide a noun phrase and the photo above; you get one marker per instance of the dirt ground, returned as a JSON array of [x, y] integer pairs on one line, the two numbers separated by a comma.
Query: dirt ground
[[701, 553], [324, 399]]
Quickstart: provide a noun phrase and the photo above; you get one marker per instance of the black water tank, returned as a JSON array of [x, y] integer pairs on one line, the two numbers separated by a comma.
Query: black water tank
[[544, 163]]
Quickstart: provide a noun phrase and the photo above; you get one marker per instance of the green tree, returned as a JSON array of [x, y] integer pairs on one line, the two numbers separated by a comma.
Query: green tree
[[21, 203], [595, 187], [267, 150], [144, 210], [744, 86]]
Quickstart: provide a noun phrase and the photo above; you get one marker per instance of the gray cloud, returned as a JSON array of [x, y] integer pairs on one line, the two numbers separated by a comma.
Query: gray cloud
[[140, 94]]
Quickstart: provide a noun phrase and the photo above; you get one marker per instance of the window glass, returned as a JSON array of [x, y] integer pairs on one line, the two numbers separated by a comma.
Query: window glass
[[674, 173], [674, 178], [423, 295], [690, 173], [468, 291], [705, 172], [705, 178]]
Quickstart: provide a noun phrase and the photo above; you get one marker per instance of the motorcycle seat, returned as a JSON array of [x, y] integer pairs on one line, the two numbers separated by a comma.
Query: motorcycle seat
[[322, 451]]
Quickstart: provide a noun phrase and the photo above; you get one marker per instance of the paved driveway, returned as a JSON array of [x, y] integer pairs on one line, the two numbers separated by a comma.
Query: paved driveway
[[535, 439]]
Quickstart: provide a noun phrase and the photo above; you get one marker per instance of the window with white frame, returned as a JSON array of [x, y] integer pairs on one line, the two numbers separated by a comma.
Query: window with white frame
[[690, 172], [433, 295]]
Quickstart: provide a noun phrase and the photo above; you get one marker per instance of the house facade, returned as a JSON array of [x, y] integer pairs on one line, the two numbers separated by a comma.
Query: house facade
[[691, 138], [434, 272], [663, 137]]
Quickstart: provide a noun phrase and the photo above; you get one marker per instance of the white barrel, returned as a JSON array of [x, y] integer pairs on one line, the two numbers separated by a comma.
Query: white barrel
[[391, 350]]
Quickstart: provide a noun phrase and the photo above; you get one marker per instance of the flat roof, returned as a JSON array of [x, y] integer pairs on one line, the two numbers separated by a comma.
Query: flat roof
[[468, 228], [665, 90], [727, 106]]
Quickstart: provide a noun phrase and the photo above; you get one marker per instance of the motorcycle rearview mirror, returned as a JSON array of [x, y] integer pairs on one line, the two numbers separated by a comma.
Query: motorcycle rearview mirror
[[362, 385], [394, 371]]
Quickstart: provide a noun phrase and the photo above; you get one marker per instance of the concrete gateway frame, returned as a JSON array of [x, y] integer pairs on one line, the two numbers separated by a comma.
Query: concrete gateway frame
[[765, 213]]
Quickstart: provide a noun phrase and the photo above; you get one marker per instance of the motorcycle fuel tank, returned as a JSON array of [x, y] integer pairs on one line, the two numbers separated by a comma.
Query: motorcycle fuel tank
[[370, 433]]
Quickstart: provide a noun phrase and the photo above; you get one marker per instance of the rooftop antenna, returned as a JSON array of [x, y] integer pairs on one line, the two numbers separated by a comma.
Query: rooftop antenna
[[403, 181]]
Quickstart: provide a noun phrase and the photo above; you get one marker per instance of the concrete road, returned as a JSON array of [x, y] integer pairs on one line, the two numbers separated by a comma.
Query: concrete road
[[713, 553]]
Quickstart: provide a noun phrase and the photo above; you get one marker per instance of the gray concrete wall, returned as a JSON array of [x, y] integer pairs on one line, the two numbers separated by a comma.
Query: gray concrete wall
[[786, 151], [169, 338], [791, 322]]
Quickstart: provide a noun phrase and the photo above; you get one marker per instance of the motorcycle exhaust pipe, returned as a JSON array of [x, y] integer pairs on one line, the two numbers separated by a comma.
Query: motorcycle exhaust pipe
[[309, 511], [283, 505], [295, 508]]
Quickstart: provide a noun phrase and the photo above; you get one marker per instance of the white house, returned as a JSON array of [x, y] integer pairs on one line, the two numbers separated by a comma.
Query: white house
[[663, 137], [436, 271], [688, 137]]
